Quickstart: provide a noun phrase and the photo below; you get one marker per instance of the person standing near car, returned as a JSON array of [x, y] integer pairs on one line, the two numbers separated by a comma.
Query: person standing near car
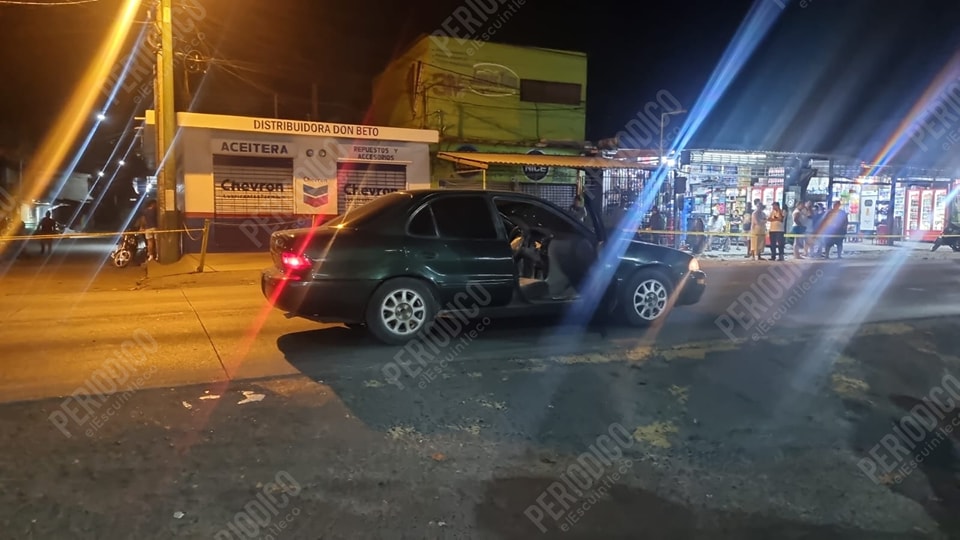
[[758, 231], [778, 224], [657, 225], [47, 227]]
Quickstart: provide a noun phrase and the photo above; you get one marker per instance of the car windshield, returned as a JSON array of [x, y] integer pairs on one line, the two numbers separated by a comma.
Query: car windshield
[[362, 214]]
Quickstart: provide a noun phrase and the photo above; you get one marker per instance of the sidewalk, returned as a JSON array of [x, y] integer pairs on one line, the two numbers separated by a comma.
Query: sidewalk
[[853, 250], [218, 269]]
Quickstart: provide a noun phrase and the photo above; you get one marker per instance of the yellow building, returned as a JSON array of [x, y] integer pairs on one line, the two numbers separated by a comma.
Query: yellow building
[[488, 98]]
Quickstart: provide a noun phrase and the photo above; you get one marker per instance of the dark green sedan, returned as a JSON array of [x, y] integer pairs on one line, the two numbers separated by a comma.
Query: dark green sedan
[[409, 259]]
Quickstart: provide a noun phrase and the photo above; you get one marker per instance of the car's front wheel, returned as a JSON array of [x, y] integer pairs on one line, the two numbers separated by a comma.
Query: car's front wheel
[[400, 310], [646, 298]]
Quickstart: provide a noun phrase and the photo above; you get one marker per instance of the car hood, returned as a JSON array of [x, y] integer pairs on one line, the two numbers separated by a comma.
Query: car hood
[[645, 252]]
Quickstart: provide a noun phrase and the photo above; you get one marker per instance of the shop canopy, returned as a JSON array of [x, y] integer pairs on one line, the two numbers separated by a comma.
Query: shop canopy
[[482, 161]]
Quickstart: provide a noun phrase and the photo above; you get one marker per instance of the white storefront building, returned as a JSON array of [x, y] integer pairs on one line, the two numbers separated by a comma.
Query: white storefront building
[[252, 176]]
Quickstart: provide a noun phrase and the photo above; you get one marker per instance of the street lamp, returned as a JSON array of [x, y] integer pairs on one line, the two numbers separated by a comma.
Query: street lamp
[[101, 117], [663, 117]]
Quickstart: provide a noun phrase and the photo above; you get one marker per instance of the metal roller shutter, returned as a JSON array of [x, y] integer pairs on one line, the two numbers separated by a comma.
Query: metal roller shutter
[[360, 182], [247, 186], [559, 194]]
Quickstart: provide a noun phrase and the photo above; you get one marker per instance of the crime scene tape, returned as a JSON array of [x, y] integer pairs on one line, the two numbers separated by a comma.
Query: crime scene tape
[[786, 235], [90, 235]]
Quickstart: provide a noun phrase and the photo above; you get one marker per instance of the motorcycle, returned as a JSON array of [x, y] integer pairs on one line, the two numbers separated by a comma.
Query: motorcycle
[[127, 250], [949, 237]]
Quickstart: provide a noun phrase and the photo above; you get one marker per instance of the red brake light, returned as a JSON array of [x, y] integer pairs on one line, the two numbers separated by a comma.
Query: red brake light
[[294, 262]]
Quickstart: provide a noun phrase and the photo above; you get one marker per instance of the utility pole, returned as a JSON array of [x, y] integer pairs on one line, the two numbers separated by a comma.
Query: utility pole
[[168, 244], [660, 165]]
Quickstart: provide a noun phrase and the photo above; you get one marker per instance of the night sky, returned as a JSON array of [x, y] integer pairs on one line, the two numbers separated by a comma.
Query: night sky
[[830, 76]]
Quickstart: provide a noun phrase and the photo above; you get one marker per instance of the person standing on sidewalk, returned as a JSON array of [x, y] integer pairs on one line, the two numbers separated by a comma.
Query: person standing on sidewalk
[[758, 231], [747, 224], [148, 225], [718, 226], [814, 240], [801, 224], [657, 225], [835, 225], [778, 224]]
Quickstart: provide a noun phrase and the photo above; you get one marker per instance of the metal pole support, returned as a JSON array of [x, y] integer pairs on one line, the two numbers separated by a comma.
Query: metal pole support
[[203, 244]]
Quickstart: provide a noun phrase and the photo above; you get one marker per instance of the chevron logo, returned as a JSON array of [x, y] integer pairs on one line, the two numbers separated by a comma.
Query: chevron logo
[[316, 196]]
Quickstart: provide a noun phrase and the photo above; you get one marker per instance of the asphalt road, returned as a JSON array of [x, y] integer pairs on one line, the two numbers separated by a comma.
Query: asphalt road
[[742, 417], [211, 327]]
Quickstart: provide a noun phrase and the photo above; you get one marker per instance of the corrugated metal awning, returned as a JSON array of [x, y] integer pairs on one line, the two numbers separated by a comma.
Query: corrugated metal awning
[[480, 160]]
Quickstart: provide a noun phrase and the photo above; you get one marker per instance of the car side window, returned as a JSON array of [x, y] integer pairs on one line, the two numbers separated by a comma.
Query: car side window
[[535, 215], [422, 223], [466, 217]]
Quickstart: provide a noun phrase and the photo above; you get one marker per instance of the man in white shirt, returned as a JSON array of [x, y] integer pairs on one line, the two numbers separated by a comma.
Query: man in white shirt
[[718, 225]]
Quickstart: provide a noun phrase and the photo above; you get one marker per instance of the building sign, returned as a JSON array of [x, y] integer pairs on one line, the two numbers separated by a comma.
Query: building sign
[[315, 196], [535, 172], [239, 196], [301, 127], [369, 152], [228, 147], [252, 187]]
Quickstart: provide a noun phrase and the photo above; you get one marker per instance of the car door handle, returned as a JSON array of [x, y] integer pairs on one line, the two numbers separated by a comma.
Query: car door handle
[[428, 255]]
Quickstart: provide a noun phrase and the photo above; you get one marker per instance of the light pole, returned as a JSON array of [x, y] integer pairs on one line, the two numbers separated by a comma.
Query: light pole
[[663, 117], [168, 244], [660, 163]]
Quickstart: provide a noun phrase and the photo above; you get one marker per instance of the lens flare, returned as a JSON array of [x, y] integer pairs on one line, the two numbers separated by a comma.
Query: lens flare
[[76, 113]]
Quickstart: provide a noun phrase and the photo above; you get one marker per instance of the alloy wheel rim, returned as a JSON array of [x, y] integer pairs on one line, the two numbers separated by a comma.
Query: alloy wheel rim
[[403, 312], [650, 299]]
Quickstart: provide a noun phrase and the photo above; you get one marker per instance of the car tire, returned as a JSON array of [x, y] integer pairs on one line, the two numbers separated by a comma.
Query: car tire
[[400, 310], [646, 298]]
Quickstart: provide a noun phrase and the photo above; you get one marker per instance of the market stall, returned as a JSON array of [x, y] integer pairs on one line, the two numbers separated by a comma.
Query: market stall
[[921, 203]]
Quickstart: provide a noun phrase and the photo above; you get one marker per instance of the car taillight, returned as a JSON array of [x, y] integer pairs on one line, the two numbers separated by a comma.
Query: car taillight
[[295, 263]]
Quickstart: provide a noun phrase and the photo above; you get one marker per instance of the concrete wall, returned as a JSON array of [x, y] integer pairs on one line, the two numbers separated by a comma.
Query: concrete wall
[[315, 162]]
